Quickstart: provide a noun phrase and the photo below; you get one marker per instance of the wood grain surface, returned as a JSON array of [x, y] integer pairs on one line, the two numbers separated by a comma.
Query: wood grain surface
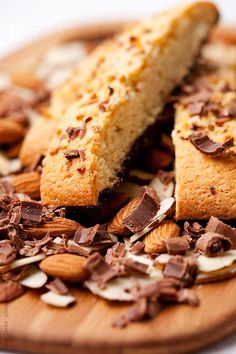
[[29, 325]]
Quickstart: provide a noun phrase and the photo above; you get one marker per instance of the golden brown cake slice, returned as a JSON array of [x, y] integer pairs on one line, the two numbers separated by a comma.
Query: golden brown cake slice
[[117, 94], [206, 172]]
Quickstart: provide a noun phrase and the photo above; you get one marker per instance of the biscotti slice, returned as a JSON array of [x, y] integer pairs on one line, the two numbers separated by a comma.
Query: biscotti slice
[[206, 172], [123, 89]]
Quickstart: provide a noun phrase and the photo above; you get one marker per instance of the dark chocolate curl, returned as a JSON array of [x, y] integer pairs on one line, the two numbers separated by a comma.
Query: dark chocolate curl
[[203, 143]]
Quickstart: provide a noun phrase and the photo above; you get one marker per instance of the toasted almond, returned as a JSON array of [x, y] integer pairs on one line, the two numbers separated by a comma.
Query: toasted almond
[[27, 183], [67, 267], [57, 300], [10, 132], [155, 241], [55, 227], [116, 227]]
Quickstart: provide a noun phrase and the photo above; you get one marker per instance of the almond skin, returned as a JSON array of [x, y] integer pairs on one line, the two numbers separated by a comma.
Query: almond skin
[[27, 183], [155, 241], [116, 227], [55, 227], [10, 132], [67, 267]]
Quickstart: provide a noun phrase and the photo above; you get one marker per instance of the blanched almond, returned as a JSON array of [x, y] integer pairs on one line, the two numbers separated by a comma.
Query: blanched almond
[[155, 241], [67, 267]]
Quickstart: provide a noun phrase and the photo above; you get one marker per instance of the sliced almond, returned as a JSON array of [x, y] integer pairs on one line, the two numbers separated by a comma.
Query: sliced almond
[[217, 275], [10, 132], [155, 241], [57, 300], [55, 227], [210, 264], [27, 183], [35, 278], [67, 267], [21, 262]]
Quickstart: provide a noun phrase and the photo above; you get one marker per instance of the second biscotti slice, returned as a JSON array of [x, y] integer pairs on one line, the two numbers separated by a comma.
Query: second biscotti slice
[[123, 90]]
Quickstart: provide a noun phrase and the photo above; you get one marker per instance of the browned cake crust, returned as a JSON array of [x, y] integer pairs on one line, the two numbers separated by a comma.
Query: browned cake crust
[[119, 91], [206, 185]]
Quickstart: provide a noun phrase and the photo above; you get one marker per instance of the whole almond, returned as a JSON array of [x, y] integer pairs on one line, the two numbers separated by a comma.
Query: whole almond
[[155, 241], [10, 132], [27, 183], [67, 267], [116, 227], [55, 227]]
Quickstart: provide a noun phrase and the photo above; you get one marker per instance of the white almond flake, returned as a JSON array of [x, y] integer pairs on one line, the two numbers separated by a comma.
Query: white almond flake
[[163, 258], [165, 206], [163, 190], [210, 264], [216, 275], [35, 278], [21, 262], [57, 300]]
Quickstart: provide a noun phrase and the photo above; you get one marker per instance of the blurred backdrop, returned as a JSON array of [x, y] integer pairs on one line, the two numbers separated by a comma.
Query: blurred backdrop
[[23, 20]]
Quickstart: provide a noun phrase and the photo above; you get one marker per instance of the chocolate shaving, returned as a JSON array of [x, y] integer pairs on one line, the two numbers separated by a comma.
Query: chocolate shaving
[[57, 286], [99, 269], [74, 132], [180, 268], [116, 251], [95, 236], [10, 290], [196, 230], [134, 267], [7, 252], [142, 213], [73, 154], [203, 143], [177, 245], [212, 244], [31, 211], [217, 226]]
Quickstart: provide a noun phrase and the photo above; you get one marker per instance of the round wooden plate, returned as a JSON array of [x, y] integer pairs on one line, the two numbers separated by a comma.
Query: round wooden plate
[[29, 325]]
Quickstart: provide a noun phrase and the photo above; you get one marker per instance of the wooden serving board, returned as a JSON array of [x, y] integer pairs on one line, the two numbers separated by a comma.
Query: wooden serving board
[[29, 325]]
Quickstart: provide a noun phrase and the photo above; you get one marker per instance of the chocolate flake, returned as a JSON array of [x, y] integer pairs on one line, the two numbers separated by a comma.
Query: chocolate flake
[[74, 132], [142, 214], [73, 154], [134, 267], [7, 252], [57, 286], [212, 244], [31, 211], [10, 290], [203, 143], [99, 269], [177, 245]]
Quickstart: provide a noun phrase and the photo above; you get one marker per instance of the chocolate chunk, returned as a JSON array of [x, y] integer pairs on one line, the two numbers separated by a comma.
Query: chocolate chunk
[[73, 154], [10, 290], [31, 211], [99, 269], [74, 132], [212, 244], [180, 268], [137, 247], [196, 108], [203, 143], [116, 251], [57, 286], [217, 226], [142, 214], [177, 245], [134, 267], [7, 252], [85, 236]]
